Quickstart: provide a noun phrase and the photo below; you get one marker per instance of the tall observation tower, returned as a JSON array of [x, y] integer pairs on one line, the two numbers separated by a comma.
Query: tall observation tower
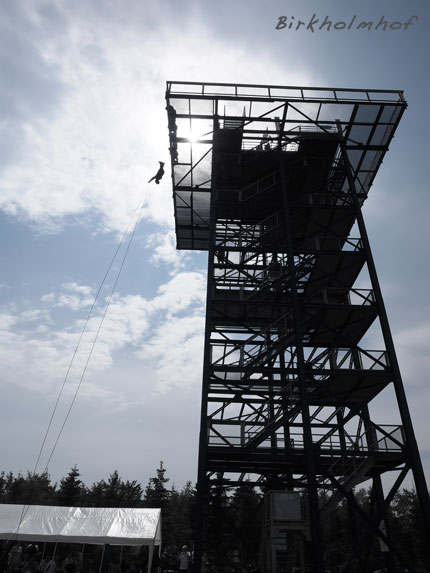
[[270, 181]]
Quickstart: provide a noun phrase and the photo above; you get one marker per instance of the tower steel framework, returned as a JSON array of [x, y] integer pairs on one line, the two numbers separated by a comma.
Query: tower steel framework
[[271, 180]]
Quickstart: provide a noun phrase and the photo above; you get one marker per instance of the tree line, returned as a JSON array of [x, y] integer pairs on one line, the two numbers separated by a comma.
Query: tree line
[[70, 491], [234, 518]]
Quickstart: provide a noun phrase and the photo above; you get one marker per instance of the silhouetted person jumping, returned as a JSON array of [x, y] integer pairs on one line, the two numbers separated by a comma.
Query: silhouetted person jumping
[[159, 174]]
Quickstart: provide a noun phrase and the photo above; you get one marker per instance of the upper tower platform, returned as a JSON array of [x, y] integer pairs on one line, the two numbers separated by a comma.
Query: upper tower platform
[[249, 126]]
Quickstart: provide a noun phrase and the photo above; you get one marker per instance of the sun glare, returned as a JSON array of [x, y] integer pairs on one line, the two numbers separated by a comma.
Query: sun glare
[[191, 134]]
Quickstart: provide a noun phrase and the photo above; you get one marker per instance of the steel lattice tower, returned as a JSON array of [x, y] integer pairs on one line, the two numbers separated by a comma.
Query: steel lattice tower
[[271, 180]]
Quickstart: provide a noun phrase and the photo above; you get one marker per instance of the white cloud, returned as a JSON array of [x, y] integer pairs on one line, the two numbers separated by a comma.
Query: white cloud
[[72, 301], [163, 246], [36, 350], [75, 297], [101, 142], [180, 292], [177, 347], [31, 362], [75, 287], [33, 315], [7, 320]]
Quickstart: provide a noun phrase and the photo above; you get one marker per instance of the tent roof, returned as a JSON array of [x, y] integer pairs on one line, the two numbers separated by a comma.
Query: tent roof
[[93, 525]]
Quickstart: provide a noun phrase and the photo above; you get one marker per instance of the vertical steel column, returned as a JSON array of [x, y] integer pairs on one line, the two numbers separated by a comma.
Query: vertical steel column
[[202, 482], [316, 533], [379, 497], [378, 492], [351, 513], [412, 447]]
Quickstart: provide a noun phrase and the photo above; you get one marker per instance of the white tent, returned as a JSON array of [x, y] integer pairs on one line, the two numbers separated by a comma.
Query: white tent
[[92, 525]]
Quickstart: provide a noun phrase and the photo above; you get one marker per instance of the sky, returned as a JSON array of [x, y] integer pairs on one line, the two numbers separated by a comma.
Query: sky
[[82, 128]]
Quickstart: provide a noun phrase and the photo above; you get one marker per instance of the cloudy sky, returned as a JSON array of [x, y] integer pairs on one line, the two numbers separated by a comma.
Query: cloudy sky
[[82, 127]]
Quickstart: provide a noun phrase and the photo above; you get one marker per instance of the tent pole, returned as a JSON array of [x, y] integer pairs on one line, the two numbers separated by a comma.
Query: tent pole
[[151, 553], [120, 555], [55, 549], [101, 560], [43, 552]]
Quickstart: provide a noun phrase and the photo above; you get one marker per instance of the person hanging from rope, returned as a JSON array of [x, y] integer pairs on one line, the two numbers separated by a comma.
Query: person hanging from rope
[[159, 174]]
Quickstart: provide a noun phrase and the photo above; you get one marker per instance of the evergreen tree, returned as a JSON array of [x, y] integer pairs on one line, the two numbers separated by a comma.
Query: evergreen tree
[[96, 494], [336, 534], [72, 491], [113, 490], [132, 494], [179, 516], [32, 489], [14, 489], [187, 509], [40, 491], [219, 524], [247, 511], [408, 530], [3, 487], [156, 493], [115, 493]]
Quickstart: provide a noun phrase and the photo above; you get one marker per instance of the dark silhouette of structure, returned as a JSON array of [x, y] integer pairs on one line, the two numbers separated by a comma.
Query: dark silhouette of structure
[[270, 180]]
